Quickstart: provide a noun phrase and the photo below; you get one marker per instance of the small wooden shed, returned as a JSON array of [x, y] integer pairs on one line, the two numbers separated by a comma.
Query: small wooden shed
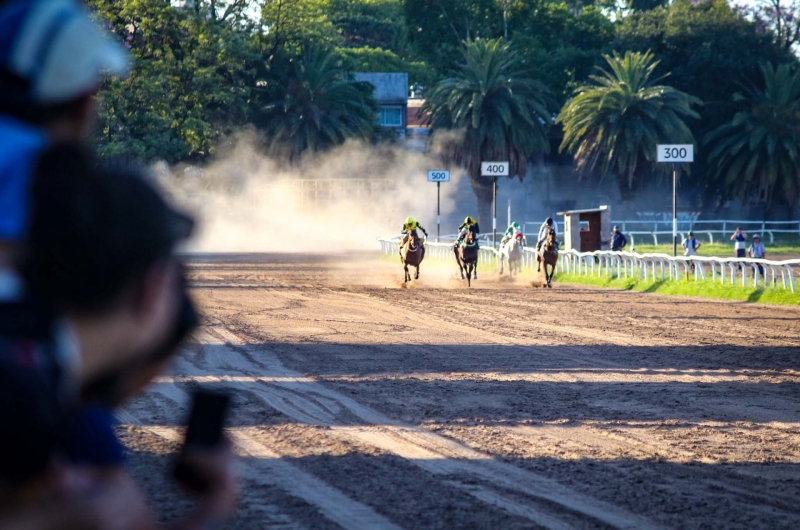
[[584, 229]]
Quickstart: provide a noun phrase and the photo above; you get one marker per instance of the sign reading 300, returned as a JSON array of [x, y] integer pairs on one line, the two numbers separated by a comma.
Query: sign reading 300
[[676, 153]]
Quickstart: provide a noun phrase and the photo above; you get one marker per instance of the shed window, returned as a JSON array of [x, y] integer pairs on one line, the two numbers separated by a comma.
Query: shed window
[[391, 117]]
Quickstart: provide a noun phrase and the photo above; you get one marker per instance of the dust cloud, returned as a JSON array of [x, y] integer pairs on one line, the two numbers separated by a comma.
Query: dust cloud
[[342, 200]]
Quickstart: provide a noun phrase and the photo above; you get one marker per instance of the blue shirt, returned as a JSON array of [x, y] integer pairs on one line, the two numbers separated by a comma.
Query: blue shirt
[[41, 417], [20, 145]]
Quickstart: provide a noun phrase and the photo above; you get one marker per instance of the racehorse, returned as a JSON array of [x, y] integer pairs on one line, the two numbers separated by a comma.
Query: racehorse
[[512, 252], [412, 254], [549, 255], [467, 257]]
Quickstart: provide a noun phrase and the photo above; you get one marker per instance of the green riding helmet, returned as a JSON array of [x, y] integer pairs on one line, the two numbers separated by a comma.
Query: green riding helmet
[[469, 220], [409, 220]]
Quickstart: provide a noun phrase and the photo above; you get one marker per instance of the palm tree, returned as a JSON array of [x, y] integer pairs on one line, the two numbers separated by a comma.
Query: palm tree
[[319, 107], [615, 124], [760, 148], [496, 111]]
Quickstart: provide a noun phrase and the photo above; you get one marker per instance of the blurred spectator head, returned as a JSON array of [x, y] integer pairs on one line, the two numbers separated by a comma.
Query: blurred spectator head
[[53, 57], [101, 248]]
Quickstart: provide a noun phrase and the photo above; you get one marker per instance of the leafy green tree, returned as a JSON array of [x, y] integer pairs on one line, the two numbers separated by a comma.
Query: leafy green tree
[[372, 23], [760, 148], [286, 26], [559, 44], [320, 107], [614, 125], [437, 28], [710, 48], [190, 85], [497, 111], [366, 59]]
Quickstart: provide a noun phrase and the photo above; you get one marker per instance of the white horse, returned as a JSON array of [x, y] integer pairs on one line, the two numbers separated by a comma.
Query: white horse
[[512, 252]]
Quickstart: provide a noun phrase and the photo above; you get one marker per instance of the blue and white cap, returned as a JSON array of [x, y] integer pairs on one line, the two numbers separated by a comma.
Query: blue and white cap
[[52, 51]]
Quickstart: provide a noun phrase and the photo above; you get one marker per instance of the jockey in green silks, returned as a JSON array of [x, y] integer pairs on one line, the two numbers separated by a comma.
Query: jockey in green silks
[[409, 227], [469, 225], [511, 231]]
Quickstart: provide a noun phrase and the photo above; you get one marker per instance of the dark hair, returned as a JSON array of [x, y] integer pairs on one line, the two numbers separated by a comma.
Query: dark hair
[[93, 233], [15, 102], [738, 228]]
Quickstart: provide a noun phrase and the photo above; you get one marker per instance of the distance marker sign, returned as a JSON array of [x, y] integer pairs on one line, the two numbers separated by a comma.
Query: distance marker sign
[[676, 153], [494, 169], [438, 175]]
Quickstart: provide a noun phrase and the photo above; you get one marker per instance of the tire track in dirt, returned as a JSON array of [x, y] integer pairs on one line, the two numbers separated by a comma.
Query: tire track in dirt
[[589, 438], [307, 401], [267, 466]]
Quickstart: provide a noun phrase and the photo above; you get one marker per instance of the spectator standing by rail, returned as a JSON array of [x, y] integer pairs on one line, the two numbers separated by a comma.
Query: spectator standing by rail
[[690, 245], [739, 239], [757, 251], [618, 240]]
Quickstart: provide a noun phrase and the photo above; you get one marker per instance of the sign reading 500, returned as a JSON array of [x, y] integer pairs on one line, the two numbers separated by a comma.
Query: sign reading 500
[[676, 153], [436, 175]]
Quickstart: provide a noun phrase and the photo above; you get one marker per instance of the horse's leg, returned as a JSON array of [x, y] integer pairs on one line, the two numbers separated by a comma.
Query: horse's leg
[[475, 267], [416, 276], [406, 276], [458, 260], [469, 274], [501, 263]]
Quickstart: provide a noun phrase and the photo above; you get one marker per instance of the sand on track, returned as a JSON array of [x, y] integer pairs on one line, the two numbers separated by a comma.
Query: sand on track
[[361, 404]]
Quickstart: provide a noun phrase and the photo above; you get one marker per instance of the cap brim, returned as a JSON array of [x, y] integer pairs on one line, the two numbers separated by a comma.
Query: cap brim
[[80, 58]]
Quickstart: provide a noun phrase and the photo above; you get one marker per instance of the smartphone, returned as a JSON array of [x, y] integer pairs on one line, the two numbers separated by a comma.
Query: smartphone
[[205, 431]]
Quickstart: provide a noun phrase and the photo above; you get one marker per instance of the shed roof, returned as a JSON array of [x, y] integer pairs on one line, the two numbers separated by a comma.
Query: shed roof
[[589, 210], [389, 87]]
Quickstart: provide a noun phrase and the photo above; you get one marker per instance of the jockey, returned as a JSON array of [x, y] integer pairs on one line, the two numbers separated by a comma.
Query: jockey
[[511, 231], [470, 225], [544, 230], [408, 227]]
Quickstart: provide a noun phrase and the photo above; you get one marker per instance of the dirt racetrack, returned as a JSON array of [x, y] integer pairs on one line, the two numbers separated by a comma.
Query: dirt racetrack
[[362, 405]]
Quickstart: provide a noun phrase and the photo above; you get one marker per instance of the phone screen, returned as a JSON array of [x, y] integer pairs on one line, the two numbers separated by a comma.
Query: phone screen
[[207, 419], [205, 431]]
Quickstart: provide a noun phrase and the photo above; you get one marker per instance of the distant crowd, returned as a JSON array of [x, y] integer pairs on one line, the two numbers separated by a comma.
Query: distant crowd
[[93, 299]]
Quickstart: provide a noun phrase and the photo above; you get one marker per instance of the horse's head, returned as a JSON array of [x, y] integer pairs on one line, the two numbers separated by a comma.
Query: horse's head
[[518, 236], [469, 239], [413, 239], [550, 242]]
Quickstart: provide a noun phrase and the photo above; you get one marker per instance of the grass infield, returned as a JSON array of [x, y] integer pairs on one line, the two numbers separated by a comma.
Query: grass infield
[[707, 289], [702, 289], [785, 250]]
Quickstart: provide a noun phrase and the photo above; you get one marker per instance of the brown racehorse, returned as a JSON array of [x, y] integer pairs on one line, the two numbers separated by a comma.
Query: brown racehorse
[[549, 254], [467, 257], [412, 254]]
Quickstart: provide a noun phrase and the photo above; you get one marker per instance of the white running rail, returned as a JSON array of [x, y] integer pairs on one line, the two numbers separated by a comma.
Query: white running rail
[[744, 271]]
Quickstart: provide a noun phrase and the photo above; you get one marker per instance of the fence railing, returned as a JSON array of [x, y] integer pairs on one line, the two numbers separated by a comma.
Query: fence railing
[[744, 271], [711, 228]]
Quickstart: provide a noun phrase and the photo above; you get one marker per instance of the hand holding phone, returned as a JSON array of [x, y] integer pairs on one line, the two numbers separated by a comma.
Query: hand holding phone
[[198, 466]]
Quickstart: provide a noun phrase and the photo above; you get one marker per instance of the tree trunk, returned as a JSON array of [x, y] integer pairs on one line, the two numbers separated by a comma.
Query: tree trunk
[[482, 187]]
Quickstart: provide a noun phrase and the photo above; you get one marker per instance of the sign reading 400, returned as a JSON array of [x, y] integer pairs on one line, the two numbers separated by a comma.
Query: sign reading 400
[[438, 175], [494, 169], [676, 153]]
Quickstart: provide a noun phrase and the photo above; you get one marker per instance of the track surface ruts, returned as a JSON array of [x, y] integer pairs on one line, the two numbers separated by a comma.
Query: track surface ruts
[[361, 405]]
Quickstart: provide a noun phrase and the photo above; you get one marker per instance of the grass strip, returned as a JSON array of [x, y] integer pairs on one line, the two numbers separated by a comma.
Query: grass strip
[[722, 250], [703, 289], [691, 287]]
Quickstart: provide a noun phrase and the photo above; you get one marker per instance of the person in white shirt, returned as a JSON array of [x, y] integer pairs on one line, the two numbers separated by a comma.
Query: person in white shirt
[[690, 245], [757, 251], [740, 242]]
